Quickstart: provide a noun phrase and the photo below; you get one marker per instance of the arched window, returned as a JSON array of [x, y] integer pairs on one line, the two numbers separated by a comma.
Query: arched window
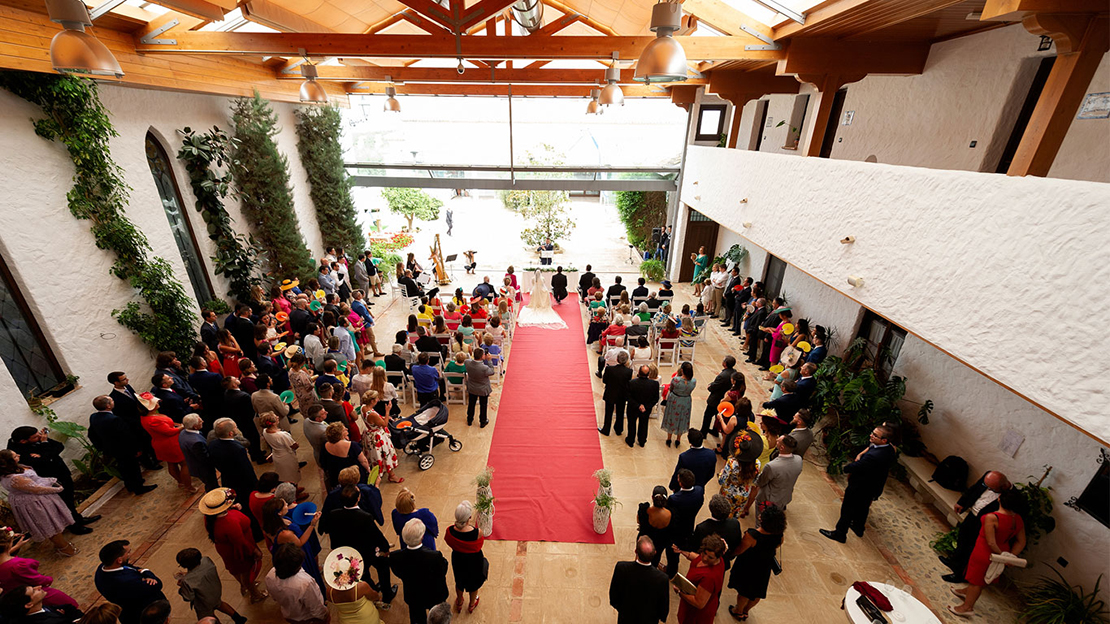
[[182, 233]]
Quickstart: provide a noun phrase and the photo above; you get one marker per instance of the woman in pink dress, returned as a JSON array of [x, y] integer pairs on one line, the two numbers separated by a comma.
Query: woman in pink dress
[[35, 503], [16, 571], [376, 443], [511, 274], [1002, 531], [163, 438], [707, 573], [778, 338]]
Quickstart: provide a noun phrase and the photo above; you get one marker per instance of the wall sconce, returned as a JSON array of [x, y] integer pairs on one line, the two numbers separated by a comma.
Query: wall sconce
[[698, 197], [744, 201], [855, 280], [695, 183], [847, 240], [747, 224]]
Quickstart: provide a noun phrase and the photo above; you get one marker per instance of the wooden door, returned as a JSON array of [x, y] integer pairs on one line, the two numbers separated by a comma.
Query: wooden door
[[701, 231]]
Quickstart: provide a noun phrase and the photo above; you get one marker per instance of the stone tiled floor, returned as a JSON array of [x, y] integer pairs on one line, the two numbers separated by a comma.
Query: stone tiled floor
[[556, 582]]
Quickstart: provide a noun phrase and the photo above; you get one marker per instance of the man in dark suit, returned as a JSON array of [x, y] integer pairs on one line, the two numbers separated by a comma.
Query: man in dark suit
[[788, 404], [866, 480], [242, 328], [209, 385], [978, 501], [123, 584], [640, 291], [616, 379], [559, 285], [729, 296], [239, 407], [127, 406], [394, 362], [751, 328], [638, 590], [764, 335], [167, 363], [209, 330], [354, 527], [615, 290], [643, 394], [806, 384], [23, 605], [369, 498], [717, 389], [38, 451], [195, 449], [720, 524], [684, 505], [299, 319], [230, 458], [422, 570], [585, 281], [109, 433], [697, 459], [739, 305]]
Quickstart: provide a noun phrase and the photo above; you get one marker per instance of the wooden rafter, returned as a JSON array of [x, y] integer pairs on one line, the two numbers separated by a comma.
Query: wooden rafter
[[481, 12], [727, 19], [385, 23], [432, 11], [430, 75], [431, 46], [502, 90], [1015, 10], [423, 23], [586, 19], [825, 56], [550, 29], [818, 16]]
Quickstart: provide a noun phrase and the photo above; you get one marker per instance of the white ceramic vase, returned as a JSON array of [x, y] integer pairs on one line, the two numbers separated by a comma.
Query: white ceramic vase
[[601, 519]]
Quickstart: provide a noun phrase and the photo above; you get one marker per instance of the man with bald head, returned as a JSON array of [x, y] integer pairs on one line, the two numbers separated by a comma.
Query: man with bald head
[[638, 590], [643, 394], [978, 501]]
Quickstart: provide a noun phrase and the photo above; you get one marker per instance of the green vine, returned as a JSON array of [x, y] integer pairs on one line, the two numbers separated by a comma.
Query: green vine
[[318, 131], [76, 118], [261, 175], [237, 257], [640, 211]]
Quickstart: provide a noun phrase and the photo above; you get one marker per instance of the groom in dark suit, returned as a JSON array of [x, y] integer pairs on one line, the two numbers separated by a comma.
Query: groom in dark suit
[[697, 459], [638, 590], [126, 405], [866, 480]]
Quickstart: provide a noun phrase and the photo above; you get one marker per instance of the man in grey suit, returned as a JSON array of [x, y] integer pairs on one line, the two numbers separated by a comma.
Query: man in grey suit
[[478, 371], [775, 483], [802, 434], [194, 447]]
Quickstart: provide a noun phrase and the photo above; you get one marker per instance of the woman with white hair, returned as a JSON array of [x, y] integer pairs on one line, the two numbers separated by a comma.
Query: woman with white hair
[[470, 565]]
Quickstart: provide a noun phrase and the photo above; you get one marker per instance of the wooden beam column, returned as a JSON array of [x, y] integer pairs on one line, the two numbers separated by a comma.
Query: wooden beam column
[[1081, 41], [827, 86], [739, 88]]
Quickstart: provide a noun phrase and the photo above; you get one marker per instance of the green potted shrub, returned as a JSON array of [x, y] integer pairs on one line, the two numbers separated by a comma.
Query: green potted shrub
[[1055, 601]]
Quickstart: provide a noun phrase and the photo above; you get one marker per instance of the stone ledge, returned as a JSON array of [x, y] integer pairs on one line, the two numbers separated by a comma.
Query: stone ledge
[[920, 470]]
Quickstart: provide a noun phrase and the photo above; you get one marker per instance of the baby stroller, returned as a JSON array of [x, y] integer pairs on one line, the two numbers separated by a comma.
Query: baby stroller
[[418, 434]]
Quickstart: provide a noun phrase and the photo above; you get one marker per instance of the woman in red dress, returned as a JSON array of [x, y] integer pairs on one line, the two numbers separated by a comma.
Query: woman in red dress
[[230, 530], [229, 353], [707, 572], [163, 437], [1002, 531]]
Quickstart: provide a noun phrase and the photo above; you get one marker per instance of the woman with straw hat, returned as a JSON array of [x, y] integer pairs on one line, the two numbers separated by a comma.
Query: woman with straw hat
[[230, 530], [469, 564], [164, 434], [353, 597]]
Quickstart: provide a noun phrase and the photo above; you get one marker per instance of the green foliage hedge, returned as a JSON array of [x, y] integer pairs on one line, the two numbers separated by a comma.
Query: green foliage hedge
[[76, 118], [237, 257], [318, 131], [640, 211], [261, 174]]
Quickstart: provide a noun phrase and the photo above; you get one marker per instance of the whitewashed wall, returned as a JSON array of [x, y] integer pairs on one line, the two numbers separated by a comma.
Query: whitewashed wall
[[779, 108], [61, 273], [967, 261], [971, 416]]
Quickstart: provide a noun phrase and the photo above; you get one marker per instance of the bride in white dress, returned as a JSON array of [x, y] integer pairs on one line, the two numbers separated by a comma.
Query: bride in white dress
[[538, 312]]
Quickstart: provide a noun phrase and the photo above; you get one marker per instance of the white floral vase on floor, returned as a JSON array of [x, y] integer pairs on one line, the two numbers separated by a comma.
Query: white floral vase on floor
[[601, 519], [605, 489], [485, 522]]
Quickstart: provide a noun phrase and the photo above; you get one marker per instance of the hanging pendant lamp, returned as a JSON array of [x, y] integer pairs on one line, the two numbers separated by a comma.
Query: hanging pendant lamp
[[391, 103], [593, 108], [74, 51], [612, 93], [312, 92], [663, 60]]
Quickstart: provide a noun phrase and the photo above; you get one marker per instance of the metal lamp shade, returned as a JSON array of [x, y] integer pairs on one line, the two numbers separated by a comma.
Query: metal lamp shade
[[611, 95], [663, 60], [312, 92], [74, 51], [391, 103], [593, 108]]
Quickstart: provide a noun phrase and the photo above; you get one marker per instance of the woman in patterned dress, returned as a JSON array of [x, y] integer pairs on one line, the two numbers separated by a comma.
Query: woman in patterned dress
[[741, 469], [676, 417], [301, 382], [376, 443]]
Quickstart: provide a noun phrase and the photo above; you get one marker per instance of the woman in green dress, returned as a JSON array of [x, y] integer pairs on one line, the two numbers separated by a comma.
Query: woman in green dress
[[701, 263]]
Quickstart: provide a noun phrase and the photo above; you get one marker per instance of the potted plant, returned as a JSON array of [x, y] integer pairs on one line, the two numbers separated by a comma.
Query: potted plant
[[604, 478], [483, 480], [484, 507], [604, 504], [1054, 601]]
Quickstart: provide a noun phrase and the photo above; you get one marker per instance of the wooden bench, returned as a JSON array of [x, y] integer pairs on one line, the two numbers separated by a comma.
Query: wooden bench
[[920, 470]]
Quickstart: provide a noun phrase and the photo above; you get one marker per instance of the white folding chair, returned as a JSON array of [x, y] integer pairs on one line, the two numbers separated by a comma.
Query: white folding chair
[[424, 322], [666, 348], [456, 388], [667, 299], [686, 352], [395, 288], [401, 382]]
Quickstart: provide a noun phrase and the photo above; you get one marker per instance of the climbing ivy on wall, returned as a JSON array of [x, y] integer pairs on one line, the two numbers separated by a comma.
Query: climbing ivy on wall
[[76, 118], [207, 158], [261, 175], [640, 211], [318, 130]]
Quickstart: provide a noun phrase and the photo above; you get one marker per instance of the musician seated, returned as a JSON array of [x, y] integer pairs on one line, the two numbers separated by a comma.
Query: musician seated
[[412, 289]]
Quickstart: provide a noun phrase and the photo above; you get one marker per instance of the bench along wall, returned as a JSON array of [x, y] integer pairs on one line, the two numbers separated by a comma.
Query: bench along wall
[[57, 267]]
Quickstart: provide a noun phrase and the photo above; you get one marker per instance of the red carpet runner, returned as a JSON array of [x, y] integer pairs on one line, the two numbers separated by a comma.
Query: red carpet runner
[[545, 445]]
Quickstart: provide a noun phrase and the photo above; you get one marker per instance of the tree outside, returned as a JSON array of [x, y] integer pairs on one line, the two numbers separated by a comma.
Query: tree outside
[[412, 204]]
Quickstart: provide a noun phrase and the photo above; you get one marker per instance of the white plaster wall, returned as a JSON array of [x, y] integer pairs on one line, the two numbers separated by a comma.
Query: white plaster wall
[[779, 108], [1085, 153], [53, 257], [982, 266]]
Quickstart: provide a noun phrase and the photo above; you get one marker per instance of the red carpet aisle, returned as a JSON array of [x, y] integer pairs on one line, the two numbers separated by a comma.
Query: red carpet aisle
[[545, 445]]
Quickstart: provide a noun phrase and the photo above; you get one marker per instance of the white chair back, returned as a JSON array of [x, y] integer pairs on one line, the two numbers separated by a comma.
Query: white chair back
[[666, 352], [456, 387]]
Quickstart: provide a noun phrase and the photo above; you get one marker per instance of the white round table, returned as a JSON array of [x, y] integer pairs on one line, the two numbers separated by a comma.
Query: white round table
[[907, 609]]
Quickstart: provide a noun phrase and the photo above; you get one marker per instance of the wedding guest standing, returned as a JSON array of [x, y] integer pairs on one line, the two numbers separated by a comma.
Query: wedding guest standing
[[638, 590], [119, 582], [283, 446], [38, 451], [751, 571], [467, 561], [164, 434], [707, 573], [230, 530], [16, 571], [676, 417], [36, 503], [200, 586], [293, 589]]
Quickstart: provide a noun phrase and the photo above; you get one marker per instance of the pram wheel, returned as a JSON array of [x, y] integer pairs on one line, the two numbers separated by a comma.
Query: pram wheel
[[412, 448], [455, 445], [426, 461]]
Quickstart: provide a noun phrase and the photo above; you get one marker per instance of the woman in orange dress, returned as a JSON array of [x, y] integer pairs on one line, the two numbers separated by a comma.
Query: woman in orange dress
[[1002, 531], [163, 437]]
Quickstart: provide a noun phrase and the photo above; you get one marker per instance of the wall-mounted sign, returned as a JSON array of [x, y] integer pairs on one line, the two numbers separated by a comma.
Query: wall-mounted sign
[[769, 121], [1095, 106], [848, 117]]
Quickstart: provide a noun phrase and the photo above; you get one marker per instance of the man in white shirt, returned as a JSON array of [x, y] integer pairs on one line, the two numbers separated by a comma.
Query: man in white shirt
[[314, 348], [611, 355], [978, 501], [295, 592]]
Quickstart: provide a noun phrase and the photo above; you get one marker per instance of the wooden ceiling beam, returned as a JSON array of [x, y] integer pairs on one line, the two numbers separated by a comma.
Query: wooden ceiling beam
[[825, 56], [725, 83], [209, 11], [423, 23], [1015, 10], [277, 17], [915, 11], [481, 12], [727, 19], [431, 46], [586, 19], [432, 11], [501, 90], [429, 75], [566, 20], [385, 23], [818, 16]]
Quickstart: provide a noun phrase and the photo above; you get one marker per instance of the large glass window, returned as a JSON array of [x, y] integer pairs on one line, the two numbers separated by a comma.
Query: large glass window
[[884, 343], [23, 348], [179, 225]]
